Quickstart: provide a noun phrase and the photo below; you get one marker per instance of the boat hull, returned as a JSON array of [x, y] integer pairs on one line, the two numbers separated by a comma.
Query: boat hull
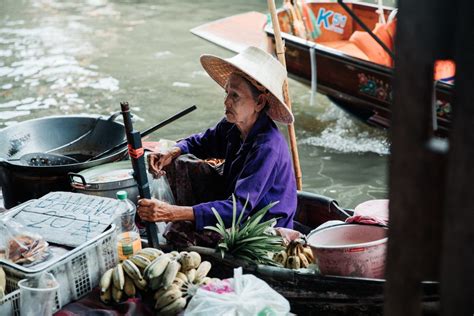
[[363, 89]]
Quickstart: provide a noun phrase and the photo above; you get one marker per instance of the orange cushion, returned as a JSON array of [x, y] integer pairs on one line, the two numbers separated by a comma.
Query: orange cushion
[[444, 70], [347, 48], [371, 48]]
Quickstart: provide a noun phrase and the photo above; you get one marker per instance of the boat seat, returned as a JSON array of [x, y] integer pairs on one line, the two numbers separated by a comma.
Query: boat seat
[[347, 48]]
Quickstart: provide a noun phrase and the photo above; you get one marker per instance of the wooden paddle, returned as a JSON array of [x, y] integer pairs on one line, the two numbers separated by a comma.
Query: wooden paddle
[[280, 51]]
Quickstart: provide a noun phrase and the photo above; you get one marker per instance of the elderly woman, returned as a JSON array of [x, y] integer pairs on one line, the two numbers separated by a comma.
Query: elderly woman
[[257, 160]]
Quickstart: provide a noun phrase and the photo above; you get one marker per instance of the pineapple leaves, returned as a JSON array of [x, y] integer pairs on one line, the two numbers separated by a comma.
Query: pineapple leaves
[[248, 240]]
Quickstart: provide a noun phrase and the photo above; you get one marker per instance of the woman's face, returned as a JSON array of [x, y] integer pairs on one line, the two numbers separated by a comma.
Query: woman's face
[[241, 108]]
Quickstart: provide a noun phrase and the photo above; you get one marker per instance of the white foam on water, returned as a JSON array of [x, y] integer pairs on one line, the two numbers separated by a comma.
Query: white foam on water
[[49, 57], [6, 115], [10, 104], [181, 84], [163, 54], [109, 84], [4, 71], [6, 52], [342, 134], [199, 73]]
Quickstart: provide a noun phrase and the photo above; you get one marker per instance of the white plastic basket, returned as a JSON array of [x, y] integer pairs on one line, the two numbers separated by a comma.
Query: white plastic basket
[[77, 271]]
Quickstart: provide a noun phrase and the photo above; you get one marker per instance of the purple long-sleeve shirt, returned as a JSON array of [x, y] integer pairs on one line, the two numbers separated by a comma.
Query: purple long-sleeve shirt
[[259, 167]]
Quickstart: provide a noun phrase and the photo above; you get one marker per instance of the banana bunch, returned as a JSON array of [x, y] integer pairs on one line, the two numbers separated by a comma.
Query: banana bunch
[[127, 276], [3, 283], [295, 256], [175, 278]]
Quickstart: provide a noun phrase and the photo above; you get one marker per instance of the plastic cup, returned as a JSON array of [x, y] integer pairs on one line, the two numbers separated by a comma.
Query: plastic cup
[[37, 296]]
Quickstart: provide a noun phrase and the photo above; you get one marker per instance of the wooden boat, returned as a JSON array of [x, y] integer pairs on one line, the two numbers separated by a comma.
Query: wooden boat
[[316, 294], [359, 86]]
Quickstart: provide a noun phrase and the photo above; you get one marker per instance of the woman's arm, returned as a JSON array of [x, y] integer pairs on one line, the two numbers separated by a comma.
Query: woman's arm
[[210, 144], [254, 182], [153, 210]]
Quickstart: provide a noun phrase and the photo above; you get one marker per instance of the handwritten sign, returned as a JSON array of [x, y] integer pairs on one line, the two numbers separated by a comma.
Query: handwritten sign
[[67, 218]]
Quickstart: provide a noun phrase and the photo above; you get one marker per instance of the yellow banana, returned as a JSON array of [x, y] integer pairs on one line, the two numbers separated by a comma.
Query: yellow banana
[[309, 254], [141, 284], [203, 270], [191, 275], [173, 308], [105, 280], [150, 253], [106, 295], [196, 258], [3, 279], [157, 267], [117, 294], [178, 282], [118, 277], [303, 261], [140, 261], [170, 273], [131, 269], [129, 287], [206, 280], [293, 262], [182, 276], [186, 261], [162, 291], [167, 298], [281, 257]]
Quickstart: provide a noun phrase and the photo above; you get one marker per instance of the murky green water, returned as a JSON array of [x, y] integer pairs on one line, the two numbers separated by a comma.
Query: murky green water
[[70, 57]]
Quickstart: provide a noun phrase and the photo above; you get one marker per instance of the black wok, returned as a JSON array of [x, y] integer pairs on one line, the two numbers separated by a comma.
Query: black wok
[[23, 182]]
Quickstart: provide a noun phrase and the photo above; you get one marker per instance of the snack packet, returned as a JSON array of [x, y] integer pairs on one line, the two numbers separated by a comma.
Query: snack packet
[[21, 246]]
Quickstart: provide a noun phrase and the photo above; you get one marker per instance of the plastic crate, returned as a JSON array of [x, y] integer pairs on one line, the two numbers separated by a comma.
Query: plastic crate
[[78, 271]]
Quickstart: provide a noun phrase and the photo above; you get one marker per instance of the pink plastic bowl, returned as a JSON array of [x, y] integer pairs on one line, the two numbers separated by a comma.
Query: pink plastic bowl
[[350, 250]]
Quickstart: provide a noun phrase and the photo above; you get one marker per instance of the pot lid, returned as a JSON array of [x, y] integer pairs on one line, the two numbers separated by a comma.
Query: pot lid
[[110, 172]]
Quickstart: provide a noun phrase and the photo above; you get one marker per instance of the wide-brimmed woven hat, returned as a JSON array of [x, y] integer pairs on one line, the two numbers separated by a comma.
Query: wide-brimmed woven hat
[[259, 66]]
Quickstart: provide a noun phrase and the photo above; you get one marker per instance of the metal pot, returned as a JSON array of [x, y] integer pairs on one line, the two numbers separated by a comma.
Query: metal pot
[[105, 180], [22, 182]]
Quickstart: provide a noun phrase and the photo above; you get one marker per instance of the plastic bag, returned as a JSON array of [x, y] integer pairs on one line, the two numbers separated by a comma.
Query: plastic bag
[[160, 189], [246, 295], [21, 246]]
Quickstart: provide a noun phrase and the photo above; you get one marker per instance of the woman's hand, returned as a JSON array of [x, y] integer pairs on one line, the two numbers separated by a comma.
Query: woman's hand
[[153, 210], [157, 161]]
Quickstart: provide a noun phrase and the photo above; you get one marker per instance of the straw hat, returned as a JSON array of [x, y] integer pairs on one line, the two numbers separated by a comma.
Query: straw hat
[[259, 66]]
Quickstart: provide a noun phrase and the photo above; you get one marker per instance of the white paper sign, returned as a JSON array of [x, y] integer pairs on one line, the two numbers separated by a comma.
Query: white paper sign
[[67, 218]]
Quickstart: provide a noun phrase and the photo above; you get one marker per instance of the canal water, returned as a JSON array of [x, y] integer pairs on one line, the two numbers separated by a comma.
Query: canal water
[[62, 57]]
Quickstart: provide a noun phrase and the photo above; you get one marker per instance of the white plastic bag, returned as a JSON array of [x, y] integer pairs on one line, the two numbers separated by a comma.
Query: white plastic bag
[[247, 295], [160, 189]]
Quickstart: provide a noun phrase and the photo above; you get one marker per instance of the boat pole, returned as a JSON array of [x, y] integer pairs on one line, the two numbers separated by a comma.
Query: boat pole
[[280, 51]]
